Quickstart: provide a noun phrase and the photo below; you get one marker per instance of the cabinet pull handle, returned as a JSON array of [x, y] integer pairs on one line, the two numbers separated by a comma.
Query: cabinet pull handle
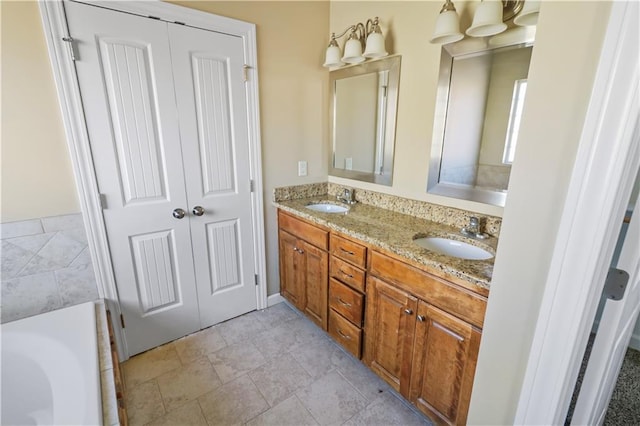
[[408, 311], [421, 318], [348, 305], [344, 335], [350, 253], [296, 249], [344, 273]]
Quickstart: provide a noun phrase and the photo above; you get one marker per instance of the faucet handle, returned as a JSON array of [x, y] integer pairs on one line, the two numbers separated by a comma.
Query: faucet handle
[[474, 222]]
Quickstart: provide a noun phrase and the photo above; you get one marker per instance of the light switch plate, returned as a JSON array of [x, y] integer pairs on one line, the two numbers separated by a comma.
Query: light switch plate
[[302, 168]]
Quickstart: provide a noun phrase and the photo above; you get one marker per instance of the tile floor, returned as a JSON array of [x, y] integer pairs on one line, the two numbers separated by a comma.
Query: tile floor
[[271, 367]]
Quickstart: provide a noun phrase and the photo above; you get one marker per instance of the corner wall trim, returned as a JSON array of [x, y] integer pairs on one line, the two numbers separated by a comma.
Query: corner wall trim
[[274, 299]]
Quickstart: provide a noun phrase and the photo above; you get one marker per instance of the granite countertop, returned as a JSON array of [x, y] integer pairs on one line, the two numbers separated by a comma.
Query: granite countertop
[[394, 232]]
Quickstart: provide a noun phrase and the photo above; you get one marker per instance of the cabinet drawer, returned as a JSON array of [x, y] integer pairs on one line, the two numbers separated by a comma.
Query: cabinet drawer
[[312, 234], [346, 302], [455, 300], [345, 333], [348, 250], [347, 273]]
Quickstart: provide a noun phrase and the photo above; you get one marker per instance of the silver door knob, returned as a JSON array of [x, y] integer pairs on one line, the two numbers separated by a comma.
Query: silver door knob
[[198, 211], [178, 213]]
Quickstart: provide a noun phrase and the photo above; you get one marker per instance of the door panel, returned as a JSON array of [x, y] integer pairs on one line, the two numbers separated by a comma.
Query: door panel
[[316, 284], [126, 82], [212, 108]]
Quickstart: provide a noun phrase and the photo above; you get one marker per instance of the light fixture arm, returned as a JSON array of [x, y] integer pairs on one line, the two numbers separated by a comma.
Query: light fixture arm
[[359, 31]]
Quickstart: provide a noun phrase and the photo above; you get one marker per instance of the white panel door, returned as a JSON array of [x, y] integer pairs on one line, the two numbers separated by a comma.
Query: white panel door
[[613, 335], [166, 113], [126, 82], [212, 105]]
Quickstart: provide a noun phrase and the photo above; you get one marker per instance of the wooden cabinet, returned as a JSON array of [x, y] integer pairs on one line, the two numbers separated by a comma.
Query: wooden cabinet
[[346, 292], [445, 351], [390, 325], [417, 331], [304, 267], [426, 353]]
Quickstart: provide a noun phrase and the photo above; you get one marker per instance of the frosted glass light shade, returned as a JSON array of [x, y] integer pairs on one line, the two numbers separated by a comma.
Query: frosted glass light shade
[[375, 46], [332, 57], [529, 13], [488, 20], [447, 28], [352, 51]]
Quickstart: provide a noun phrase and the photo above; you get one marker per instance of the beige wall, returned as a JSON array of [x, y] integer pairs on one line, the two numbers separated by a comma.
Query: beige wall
[[37, 179], [560, 80]]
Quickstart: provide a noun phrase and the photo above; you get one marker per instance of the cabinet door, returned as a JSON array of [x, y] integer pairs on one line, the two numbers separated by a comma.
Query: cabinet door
[[445, 352], [317, 284], [389, 330], [292, 270]]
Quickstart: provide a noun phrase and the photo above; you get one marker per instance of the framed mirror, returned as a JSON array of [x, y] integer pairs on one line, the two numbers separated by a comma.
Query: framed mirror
[[481, 90], [363, 107]]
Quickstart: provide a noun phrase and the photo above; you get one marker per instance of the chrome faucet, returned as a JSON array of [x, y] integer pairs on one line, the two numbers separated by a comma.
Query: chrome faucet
[[474, 229], [348, 196]]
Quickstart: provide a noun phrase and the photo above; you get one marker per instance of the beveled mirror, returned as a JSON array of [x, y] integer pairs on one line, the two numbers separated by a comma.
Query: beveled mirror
[[363, 108], [481, 91]]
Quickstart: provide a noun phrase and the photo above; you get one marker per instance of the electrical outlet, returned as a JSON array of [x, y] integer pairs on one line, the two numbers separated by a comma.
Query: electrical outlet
[[302, 168], [348, 163]]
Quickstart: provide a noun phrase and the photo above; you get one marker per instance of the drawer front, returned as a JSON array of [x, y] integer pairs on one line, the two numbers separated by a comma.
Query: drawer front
[[345, 333], [312, 234], [345, 301], [348, 250], [348, 274], [455, 300]]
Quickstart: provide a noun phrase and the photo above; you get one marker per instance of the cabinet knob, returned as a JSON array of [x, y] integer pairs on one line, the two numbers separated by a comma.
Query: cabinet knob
[[421, 318], [408, 311]]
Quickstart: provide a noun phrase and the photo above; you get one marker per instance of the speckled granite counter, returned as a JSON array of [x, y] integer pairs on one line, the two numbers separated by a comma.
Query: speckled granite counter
[[394, 232]]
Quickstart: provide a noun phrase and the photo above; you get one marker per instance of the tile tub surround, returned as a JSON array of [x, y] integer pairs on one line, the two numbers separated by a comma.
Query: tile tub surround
[[45, 266]]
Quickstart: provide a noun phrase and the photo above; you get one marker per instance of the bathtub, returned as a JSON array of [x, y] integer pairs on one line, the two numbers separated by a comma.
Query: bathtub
[[50, 373]]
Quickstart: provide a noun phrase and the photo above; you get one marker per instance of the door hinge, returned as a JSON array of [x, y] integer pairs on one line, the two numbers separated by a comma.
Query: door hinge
[[122, 320], [69, 40], [256, 279], [103, 201], [245, 72], [616, 284], [252, 185]]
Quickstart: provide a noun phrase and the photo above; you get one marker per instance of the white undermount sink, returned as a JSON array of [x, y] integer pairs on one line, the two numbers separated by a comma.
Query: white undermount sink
[[453, 248], [327, 208]]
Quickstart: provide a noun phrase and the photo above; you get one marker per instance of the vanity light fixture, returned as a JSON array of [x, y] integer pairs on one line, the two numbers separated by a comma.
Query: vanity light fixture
[[489, 19], [358, 33]]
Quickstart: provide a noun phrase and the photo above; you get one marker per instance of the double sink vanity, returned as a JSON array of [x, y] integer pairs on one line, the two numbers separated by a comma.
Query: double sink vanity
[[381, 283]]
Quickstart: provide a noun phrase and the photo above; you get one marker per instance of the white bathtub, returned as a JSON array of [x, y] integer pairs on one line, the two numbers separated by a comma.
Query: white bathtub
[[50, 373]]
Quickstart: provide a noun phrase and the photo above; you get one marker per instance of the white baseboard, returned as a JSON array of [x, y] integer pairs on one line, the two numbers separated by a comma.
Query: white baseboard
[[274, 299]]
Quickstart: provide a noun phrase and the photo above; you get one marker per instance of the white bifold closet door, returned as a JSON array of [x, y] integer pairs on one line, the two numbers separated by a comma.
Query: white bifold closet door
[[166, 111]]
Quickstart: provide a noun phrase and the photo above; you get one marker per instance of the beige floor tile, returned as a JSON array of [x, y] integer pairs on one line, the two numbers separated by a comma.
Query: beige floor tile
[[360, 377], [149, 365], [305, 332], [276, 315], [235, 360], [276, 341], [387, 410], [279, 378], [331, 399], [315, 357], [189, 414], [288, 412], [233, 403], [199, 344], [240, 329], [144, 403], [187, 383]]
